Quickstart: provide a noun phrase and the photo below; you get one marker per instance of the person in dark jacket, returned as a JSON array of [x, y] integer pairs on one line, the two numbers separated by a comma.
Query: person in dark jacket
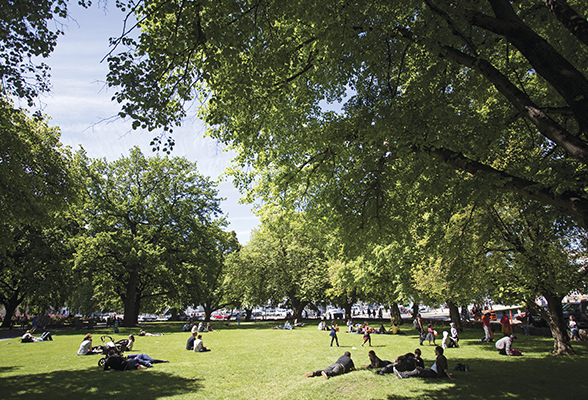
[[440, 368], [405, 362], [120, 363], [191, 340], [342, 365], [333, 334]]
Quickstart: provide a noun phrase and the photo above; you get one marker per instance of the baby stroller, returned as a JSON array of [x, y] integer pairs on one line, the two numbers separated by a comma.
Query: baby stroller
[[108, 347]]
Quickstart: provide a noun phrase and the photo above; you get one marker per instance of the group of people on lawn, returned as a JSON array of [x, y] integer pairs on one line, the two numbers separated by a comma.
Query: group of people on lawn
[[411, 364], [405, 366]]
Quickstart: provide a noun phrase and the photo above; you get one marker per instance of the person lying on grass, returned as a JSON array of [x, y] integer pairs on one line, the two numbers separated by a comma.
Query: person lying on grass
[[29, 338], [143, 333], [405, 362], [342, 365], [136, 361], [440, 369]]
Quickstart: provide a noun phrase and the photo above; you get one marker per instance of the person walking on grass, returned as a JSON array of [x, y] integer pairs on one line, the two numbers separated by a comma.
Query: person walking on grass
[[366, 335], [333, 334], [430, 334], [418, 326], [574, 329], [342, 365], [486, 326]]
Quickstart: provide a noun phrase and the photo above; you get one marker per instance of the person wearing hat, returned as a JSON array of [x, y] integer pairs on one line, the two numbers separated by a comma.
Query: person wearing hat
[[504, 346]]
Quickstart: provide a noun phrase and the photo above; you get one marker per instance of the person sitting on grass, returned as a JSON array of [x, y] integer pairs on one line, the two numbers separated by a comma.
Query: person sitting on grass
[[375, 361], [342, 365], [199, 345], [191, 340], [440, 369], [86, 346], [126, 344], [395, 330]]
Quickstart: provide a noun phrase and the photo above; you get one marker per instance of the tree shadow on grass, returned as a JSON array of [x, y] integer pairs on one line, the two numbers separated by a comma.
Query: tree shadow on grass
[[520, 377], [147, 384]]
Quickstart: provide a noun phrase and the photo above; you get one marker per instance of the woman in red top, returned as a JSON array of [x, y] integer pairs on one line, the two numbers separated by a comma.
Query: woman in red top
[[506, 327]]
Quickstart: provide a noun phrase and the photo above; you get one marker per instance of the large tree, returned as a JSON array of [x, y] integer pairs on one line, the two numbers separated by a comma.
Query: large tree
[[36, 267], [458, 99], [145, 217], [35, 175], [284, 261], [493, 88], [205, 274], [37, 187]]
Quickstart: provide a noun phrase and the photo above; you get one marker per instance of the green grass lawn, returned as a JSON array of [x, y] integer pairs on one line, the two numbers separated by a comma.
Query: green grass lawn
[[252, 361]]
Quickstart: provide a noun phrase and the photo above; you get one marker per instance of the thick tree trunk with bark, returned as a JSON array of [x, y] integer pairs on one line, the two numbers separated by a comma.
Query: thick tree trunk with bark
[[454, 315], [10, 308], [207, 312], [298, 307], [248, 312], [395, 316], [347, 309], [129, 299], [557, 325]]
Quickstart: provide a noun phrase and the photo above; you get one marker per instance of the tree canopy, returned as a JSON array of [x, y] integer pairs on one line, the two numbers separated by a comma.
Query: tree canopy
[[491, 88], [146, 218]]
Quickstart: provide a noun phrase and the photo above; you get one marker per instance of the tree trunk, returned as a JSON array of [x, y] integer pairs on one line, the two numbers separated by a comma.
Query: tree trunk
[[465, 316], [10, 308], [248, 312], [415, 310], [395, 316], [207, 312], [298, 306], [129, 300], [557, 325], [347, 307], [454, 315]]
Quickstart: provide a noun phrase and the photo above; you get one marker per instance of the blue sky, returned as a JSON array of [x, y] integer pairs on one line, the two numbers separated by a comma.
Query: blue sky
[[79, 103]]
